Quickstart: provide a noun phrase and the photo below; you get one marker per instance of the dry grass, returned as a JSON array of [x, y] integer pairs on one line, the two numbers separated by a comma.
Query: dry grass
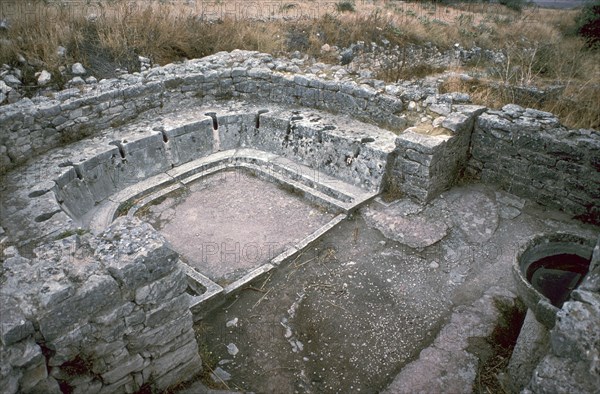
[[576, 106], [539, 45], [563, 67]]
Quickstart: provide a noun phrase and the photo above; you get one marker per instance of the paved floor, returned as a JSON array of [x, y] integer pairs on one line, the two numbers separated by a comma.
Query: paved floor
[[231, 222]]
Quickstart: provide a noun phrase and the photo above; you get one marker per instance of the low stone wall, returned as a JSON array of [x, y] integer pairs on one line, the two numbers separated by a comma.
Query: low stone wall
[[528, 153], [31, 127], [96, 315]]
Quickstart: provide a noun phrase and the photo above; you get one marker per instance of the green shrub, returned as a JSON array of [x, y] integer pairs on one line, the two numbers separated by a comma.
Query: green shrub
[[345, 6], [588, 23]]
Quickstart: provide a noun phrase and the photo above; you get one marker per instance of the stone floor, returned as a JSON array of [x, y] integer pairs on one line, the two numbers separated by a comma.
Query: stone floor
[[231, 222], [352, 310]]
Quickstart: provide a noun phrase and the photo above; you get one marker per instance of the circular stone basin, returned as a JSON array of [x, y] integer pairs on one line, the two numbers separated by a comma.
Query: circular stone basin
[[548, 269]]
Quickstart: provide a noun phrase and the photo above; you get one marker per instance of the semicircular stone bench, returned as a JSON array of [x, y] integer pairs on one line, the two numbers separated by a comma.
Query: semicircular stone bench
[[335, 161]]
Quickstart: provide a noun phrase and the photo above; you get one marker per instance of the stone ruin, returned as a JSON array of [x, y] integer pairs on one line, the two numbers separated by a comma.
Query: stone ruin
[[95, 300]]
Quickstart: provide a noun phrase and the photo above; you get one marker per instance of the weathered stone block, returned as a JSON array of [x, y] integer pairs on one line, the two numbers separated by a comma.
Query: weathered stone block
[[54, 292], [309, 97], [260, 73], [145, 156], [14, 326], [133, 364], [128, 271], [457, 123], [161, 335], [77, 197], [187, 370], [167, 311], [49, 386], [99, 172], [111, 332], [24, 354], [34, 374], [568, 167], [414, 168], [574, 335], [554, 375], [70, 343], [422, 158], [419, 142], [362, 91], [102, 348], [246, 86], [137, 317], [563, 148], [97, 292], [178, 342], [185, 354], [162, 290], [136, 254], [48, 111], [239, 72], [345, 102], [301, 80], [230, 133], [542, 172], [194, 79], [191, 141], [497, 126], [120, 387]]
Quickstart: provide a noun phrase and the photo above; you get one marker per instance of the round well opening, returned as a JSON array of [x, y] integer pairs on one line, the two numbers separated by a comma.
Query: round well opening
[[548, 269], [556, 276]]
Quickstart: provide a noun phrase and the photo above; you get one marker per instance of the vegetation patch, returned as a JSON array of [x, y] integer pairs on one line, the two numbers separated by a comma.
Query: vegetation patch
[[79, 366], [208, 354], [588, 24], [345, 6], [125, 207], [69, 233], [74, 134]]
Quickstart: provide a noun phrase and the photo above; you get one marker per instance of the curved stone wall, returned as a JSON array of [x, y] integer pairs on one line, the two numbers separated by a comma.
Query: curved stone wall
[[62, 190], [526, 152], [31, 127]]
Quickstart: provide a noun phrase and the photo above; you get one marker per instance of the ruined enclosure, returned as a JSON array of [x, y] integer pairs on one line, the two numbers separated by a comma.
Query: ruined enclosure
[[267, 231]]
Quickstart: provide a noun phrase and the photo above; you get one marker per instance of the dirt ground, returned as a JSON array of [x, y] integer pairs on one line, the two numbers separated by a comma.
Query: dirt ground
[[324, 323]]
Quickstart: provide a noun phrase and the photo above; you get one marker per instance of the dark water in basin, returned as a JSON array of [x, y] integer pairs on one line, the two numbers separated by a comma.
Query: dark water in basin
[[556, 276]]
